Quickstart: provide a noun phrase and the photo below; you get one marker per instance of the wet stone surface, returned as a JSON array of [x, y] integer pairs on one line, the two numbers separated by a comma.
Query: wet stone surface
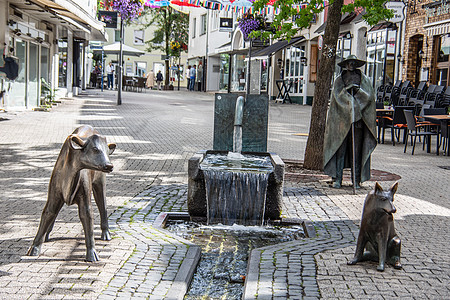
[[225, 250]]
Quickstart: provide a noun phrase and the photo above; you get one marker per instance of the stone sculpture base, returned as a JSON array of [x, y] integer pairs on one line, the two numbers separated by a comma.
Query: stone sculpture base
[[197, 206]]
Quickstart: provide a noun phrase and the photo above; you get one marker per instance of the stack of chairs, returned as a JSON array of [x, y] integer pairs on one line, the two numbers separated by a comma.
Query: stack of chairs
[[443, 99], [392, 92], [405, 92], [431, 98], [417, 97]]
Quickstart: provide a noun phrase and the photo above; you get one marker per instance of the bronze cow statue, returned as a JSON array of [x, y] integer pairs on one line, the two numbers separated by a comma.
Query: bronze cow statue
[[377, 232], [79, 171]]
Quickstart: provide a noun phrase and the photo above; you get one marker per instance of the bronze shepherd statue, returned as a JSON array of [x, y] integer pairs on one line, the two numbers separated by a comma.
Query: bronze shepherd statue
[[377, 232], [79, 171]]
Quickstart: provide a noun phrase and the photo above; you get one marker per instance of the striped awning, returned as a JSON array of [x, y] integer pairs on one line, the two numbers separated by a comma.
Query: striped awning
[[437, 28]]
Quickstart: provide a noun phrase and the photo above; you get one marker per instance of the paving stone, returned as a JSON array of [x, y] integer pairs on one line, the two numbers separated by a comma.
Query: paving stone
[[150, 176]]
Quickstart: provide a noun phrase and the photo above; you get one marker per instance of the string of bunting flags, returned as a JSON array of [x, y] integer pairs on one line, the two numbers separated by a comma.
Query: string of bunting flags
[[236, 6]]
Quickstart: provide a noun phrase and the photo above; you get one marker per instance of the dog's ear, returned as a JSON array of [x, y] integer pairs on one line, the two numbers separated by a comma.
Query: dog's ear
[[378, 188], [394, 187]]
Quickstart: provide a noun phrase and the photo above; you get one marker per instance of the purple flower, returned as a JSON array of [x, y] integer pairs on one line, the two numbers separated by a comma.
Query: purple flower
[[128, 9]]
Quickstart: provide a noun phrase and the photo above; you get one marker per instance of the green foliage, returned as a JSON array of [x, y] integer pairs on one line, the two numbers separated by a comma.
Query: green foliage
[[283, 27], [170, 25], [47, 91]]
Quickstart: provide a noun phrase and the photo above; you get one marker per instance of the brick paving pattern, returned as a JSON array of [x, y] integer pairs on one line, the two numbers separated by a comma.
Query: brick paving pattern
[[156, 133]]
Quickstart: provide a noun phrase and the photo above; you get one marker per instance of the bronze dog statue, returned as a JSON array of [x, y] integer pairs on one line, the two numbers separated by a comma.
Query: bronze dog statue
[[377, 232], [79, 171]]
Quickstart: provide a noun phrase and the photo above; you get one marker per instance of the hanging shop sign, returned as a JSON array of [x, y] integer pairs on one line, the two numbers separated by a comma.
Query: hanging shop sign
[[398, 9], [226, 24]]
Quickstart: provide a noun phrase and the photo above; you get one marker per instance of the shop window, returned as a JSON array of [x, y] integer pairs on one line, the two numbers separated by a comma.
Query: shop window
[[141, 68], [116, 35], [62, 53], [194, 27], [377, 70], [224, 71], [444, 48]]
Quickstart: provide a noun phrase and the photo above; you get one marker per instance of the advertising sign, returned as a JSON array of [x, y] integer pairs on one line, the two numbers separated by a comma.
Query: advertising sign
[[226, 24]]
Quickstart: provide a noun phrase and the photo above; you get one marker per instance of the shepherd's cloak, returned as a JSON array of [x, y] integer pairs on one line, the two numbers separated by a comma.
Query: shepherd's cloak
[[339, 122]]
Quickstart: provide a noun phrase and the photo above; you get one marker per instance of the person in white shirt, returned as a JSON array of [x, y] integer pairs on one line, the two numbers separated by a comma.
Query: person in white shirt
[[110, 73]]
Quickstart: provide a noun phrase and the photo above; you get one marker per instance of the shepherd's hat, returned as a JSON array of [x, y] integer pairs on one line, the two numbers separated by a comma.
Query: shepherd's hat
[[359, 63]]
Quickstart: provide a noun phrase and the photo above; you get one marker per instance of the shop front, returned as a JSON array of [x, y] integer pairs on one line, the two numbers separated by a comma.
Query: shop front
[[439, 33], [381, 49], [428, 43], [31, 50]]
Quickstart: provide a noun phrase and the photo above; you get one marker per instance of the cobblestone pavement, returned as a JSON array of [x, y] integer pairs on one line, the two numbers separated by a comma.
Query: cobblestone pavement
[[156, 133]]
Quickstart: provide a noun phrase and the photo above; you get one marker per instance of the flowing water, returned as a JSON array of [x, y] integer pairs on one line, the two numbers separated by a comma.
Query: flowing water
[[222, 268], [236, 188], [237, 139]]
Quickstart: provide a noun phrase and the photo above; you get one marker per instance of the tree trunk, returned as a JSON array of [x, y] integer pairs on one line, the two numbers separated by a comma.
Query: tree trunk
[[314, 145]]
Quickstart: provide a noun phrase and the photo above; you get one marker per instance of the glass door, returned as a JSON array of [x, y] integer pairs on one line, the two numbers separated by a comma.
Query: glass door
[[33, 76], [294, 69], [17, 96]]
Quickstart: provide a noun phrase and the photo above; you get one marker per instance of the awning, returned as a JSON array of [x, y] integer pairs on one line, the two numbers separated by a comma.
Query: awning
[[437, 28], [275, 47], [115, 49], [383, 25], [225, 48], [67, 9]]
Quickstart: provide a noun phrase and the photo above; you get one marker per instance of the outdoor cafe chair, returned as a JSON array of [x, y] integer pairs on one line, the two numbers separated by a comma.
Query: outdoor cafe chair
[[415, 130], [396, 123]]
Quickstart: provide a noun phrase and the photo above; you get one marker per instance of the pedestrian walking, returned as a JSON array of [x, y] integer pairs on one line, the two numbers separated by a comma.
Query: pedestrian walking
[[200, 76], [110, 73], [188, 75], [159, 79], [94, 76], [150, 79], [192, 75]]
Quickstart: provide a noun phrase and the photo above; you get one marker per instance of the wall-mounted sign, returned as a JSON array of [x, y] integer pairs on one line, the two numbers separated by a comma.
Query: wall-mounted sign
[[226, 24], [436, 10], [398, 10], [319, 42], [108, 17]]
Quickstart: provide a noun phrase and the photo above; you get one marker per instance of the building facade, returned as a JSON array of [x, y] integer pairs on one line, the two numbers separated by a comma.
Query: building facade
[[49, 42], [136, 35], [427, 42]]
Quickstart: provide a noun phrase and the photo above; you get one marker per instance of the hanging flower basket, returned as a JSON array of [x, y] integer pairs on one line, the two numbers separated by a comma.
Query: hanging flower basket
[[128, 9], [250, 22]]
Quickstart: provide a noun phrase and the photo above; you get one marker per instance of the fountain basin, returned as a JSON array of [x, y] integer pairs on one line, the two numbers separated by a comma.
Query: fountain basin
[[197, 191]]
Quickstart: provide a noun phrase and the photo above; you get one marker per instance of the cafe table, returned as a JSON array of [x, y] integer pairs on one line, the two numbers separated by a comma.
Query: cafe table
[[442, 119]]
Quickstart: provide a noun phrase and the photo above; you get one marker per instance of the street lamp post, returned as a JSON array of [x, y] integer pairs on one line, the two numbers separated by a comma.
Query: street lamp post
[[119, 73]]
